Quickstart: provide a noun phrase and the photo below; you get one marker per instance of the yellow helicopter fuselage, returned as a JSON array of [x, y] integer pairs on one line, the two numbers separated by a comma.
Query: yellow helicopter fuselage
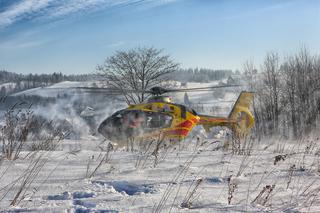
[[173, 121]]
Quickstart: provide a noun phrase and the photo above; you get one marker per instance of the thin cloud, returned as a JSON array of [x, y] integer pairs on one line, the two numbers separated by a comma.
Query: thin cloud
[[261, 10], [74, 6], [21, 10], [22, 44], [54, 9], [116, 44]]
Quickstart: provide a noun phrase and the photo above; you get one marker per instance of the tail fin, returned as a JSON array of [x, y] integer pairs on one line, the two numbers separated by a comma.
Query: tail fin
[[242, 115]]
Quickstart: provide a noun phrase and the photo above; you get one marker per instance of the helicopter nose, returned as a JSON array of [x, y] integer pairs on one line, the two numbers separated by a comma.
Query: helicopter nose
[[107, 129], [111, 131], [103, 130]]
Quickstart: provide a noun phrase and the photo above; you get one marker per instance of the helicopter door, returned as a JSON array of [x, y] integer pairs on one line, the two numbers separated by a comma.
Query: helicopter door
[[157, 120]]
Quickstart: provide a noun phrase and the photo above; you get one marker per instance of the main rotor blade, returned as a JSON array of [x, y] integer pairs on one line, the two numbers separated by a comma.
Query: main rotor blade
[[154, 90], [97, 90], [196, 89]]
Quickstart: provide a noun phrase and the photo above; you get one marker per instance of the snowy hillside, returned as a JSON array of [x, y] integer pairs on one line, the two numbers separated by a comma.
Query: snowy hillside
[[55, 89]]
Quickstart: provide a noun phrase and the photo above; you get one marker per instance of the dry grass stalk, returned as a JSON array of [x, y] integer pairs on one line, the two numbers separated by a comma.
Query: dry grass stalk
[[231, 188], [290, 174], [49, 141], [3, 99], [156, 148], [244, 164], [105, 159], [318, 166], [88, 165], [311, 196], [28, 177], [25, 181], [36, 189], [187, 201], [155, 152], [242, 146], [264, 195], [144, 154], [14, 133], [180, 173]]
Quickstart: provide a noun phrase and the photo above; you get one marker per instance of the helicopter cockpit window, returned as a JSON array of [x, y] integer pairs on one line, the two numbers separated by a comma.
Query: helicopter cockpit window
[[138, 119], [158, 120], [127, 123], [134, 122], [134, 119], [127, 118], [116, 119]]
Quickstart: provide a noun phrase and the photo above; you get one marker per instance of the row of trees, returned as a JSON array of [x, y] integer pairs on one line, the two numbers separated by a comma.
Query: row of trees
[[140, 69], [20, 82], [200, 75], [55, 77], [287, 93]]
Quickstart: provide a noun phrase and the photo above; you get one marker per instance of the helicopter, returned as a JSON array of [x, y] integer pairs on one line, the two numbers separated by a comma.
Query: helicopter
[[159, 115]]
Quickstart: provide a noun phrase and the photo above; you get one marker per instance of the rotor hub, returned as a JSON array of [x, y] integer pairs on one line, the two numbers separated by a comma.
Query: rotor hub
[[158, 90]]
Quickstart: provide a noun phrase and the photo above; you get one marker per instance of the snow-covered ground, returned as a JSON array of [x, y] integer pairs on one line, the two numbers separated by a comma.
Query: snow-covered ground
[[9, 85], [130, 182]]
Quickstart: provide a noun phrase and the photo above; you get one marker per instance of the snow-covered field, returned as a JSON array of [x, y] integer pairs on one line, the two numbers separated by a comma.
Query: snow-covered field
[[130, 182], [196, 175], [55, 89]]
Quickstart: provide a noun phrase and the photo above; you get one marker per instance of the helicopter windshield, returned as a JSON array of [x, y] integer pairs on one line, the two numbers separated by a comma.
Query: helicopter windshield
[[124, 123]]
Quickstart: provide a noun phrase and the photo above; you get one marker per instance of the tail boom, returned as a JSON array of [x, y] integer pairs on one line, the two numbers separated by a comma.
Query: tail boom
[[240, 119]]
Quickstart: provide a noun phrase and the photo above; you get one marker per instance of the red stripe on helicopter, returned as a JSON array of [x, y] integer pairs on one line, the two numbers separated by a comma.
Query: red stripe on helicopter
[[182, 132], [185, 124], [194, 120]]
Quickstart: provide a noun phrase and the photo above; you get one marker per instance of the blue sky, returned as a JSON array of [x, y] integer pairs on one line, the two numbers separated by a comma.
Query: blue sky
[[73, 36]]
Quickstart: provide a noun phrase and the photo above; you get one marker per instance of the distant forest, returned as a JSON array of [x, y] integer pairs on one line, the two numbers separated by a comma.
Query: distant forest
[[12, 82], [201, 75]]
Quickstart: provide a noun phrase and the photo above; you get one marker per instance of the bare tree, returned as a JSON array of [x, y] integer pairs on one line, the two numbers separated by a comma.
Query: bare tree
[[249, 73], [272, 80], [252, 78], [290, 91], [287, 98], [136, 70]]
